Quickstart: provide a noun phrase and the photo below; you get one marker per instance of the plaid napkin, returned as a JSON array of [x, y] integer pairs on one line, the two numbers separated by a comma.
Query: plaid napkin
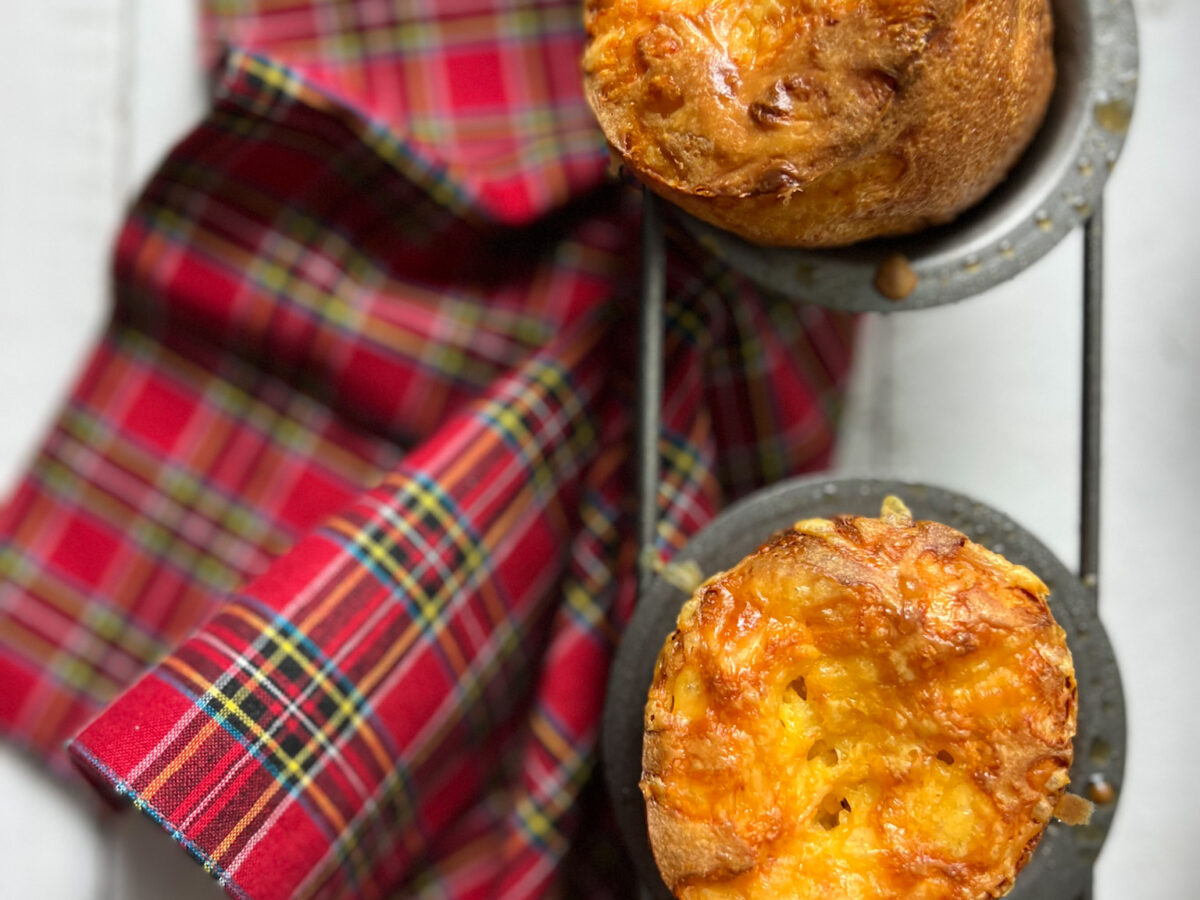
[[331, 544]]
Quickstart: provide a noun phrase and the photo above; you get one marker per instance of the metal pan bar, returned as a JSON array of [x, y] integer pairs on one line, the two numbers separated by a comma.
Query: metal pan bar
[[650, 384], [1089, 485], [1089, 480]]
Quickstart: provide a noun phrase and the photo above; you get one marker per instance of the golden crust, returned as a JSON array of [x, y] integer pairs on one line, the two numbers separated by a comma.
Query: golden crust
[[863, 708], [819, 122]]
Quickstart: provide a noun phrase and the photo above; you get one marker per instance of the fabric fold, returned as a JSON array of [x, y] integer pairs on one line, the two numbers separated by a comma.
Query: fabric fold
[[345, 706], [477, 98], [174, 472]]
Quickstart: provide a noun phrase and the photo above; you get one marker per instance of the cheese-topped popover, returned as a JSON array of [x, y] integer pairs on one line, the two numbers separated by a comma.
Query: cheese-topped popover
[[862, 708]]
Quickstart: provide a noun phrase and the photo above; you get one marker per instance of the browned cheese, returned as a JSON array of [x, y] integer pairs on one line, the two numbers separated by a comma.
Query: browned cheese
[[863, 708]]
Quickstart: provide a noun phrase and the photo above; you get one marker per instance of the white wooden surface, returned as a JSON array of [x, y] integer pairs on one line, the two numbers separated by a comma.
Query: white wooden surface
[[981, 397], [92, 93]]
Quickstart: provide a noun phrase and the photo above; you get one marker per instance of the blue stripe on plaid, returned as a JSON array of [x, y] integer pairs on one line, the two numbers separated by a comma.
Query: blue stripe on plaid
[[257, 83], [591, 581], [122, 789], [280, 650], [534, 414], [296, 760], [415, 508], [420, 547], [275, 267], [687, 469], [541, 814], [253, 747], [391, 567]]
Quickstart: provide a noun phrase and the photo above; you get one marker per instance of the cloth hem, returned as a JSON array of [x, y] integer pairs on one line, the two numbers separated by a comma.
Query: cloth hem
[[117, 789]]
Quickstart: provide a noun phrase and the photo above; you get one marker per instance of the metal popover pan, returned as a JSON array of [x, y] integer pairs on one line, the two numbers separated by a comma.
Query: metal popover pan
[[1061, 866], [1053, 188]]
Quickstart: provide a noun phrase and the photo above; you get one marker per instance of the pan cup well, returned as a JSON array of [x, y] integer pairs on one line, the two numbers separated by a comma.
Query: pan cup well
[[1052, 189], [1061, 865]]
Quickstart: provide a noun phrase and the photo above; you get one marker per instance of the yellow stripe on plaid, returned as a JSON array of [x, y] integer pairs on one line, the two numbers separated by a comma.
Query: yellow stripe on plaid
[[302, 415], [292, 766], [686, 468], [444, 190], [230, 707], [470, 561], [186, 493], [582, 601], [162, 543], [503, 635], [515, 415], [106, 623], [69, 667], [541, 812], [347, 708], [275, 276], [380, 550], [346, 712]]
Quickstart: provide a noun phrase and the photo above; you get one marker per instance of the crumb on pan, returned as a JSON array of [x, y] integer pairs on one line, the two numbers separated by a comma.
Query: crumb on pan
[[895, 278], [1073, 810]]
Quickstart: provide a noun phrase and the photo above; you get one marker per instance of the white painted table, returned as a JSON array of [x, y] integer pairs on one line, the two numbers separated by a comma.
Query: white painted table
[[981, 397]]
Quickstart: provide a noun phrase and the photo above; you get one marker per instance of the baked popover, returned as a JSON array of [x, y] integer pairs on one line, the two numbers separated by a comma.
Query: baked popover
[[862, 708], [818, 123]]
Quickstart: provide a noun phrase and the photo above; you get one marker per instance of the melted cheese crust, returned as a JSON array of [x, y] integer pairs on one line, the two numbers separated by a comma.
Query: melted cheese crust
[[819, 122], [863, 708]]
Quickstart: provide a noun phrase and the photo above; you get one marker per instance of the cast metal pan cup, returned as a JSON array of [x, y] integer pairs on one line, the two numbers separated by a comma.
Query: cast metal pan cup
[[1054, 187], [1060, 867]]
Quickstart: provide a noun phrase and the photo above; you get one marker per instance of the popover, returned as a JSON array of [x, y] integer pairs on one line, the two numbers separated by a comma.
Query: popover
[[862, 708], [818, 123]]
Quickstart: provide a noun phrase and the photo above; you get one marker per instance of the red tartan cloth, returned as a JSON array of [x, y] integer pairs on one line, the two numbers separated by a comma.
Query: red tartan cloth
[[331, 543]]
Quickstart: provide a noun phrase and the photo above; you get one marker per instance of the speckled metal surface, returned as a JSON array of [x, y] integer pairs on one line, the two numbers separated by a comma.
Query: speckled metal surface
[[1053, 188], [1060, 868]]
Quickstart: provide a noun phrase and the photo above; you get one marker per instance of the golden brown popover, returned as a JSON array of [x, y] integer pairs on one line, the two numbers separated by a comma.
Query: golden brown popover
[[817, 123], [862, 708]]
